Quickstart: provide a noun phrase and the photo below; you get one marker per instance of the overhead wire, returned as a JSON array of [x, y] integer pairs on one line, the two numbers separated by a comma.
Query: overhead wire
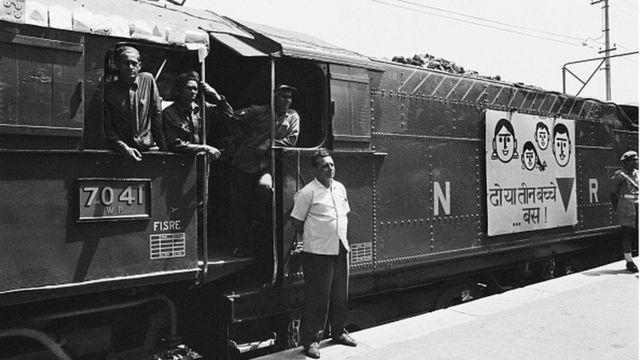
[[489, 20], [578, 44]]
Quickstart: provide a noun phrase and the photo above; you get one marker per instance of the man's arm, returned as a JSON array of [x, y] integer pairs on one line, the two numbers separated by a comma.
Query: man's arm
[[113, 139], [298, 225], [291, 136], [299, 228], [224, 110], [301, 205], [237, 123], [615, 188]]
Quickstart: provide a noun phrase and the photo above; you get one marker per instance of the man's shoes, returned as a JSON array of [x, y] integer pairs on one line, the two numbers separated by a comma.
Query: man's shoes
[[631, 266], [313, 350], [345, 339]]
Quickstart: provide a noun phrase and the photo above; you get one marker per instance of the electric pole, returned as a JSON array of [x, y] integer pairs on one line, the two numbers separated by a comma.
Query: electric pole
[[607, 48]]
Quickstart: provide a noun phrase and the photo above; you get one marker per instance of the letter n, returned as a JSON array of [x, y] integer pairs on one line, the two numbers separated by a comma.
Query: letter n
[[441, 199]]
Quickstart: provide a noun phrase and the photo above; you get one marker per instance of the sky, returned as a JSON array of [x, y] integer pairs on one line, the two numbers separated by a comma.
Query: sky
[[523, 41]]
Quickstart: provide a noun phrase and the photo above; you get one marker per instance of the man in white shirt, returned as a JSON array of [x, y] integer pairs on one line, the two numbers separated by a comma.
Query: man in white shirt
[[320, 215]]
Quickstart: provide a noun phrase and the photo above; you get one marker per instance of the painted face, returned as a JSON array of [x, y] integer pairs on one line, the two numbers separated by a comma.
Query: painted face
[[561, 150], [326, 169], [529, 159], [128, 66], [283, 101], [542, 138], [189, 92], [504, 145]]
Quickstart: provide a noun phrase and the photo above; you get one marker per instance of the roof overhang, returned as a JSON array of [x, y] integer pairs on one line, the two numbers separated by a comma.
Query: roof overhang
[[302, 46]]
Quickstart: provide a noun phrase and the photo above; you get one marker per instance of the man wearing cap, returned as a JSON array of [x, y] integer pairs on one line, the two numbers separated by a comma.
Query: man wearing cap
[[250, 175], [182, 120], [132, 110], [624, 197]]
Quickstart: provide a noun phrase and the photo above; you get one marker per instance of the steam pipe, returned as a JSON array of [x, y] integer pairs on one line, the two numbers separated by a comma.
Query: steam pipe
[[39, 336]]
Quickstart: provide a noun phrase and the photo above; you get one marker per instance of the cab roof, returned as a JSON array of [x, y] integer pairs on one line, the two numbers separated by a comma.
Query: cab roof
[[162, 22]]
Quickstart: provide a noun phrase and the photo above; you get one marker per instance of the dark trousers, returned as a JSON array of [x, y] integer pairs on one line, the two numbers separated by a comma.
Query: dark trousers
[[250, 200], [628, 237], [326, 280]]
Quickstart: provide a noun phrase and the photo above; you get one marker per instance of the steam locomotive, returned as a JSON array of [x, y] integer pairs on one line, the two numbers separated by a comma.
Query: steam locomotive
[[102, 257]]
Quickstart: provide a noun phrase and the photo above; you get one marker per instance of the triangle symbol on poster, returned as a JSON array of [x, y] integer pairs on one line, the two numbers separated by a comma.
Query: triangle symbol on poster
[[565, 185]]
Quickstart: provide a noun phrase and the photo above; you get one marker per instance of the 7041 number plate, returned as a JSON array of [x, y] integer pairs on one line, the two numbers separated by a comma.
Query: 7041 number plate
[[114, 199]]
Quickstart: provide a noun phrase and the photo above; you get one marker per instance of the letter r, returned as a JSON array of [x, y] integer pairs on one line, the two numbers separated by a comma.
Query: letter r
[[593, 190]]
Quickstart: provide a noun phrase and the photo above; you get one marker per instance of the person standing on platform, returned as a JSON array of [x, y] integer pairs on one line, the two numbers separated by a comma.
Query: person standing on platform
[[624, 197], [320, 216], [251, 183], [132, 107]]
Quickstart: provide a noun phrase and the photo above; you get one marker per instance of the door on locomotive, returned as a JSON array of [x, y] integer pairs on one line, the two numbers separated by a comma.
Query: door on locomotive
[[246, 80]]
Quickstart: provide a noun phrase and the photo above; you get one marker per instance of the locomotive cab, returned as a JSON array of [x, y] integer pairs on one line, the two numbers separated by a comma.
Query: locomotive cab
[[247, 81]]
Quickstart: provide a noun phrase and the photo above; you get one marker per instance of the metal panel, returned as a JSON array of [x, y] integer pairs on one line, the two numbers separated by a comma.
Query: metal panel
[[595, 167], [402, 197], [458, 164], [407, 223], [34, 86], [431, 117], [67, 89], [43, 245], [9, 81], [594, 133]]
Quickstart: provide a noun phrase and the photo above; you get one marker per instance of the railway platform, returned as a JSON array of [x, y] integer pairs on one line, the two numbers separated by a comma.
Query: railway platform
[[582, 316]]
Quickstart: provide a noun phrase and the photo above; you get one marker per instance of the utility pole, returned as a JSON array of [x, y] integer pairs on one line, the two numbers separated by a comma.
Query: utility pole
[[607, 48]]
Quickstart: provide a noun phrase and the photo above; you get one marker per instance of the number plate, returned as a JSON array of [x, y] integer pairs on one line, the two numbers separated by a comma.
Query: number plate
[[114, 199]]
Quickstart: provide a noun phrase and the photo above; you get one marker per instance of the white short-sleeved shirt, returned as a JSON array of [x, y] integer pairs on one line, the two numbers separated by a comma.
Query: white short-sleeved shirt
[[324, 213]]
